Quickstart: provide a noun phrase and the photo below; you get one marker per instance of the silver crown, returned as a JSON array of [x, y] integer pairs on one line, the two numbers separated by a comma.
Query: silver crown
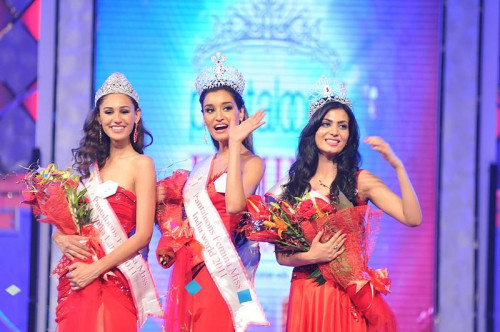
[[116, 83], [270, 25], [326, 91], [219, 75]]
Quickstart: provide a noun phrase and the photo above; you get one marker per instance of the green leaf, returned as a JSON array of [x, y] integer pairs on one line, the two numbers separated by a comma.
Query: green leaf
[[317, 276], [273, 204]]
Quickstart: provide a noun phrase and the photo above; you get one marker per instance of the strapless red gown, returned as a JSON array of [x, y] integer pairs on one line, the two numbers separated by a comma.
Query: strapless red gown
[[206, 310], [329, 307], [326, 308], [106, 304]]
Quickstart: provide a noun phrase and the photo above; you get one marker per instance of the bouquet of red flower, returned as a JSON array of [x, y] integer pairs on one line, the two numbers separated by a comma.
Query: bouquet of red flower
[[57, 199], [292, 229], [278, 224], [175, 229]]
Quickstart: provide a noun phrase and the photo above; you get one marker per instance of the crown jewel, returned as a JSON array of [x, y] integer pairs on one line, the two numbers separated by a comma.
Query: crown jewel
[[219, 75], [116, 83], [325, 91]]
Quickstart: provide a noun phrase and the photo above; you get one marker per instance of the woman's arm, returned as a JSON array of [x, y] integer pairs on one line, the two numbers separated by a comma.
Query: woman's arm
[[145, 189], [318, 253], [405, 209], [241, 183]]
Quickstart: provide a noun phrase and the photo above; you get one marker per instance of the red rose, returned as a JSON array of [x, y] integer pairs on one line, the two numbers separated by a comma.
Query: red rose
[[306, 210]]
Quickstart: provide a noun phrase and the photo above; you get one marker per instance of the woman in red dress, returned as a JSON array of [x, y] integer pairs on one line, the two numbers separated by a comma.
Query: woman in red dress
[[94, 292], [199, 298], [327, 167]]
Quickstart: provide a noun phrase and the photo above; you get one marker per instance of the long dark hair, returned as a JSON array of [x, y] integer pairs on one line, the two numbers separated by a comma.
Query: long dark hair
[[94, 145], [238, 99], [304, 167]]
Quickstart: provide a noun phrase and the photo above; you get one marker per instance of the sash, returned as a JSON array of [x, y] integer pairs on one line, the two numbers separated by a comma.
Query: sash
[[112, 235], [219, 253]]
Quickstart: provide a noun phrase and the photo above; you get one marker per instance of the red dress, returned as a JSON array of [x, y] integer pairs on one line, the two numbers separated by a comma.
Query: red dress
[[206, 310], [106, 304], [329, 307], [326, 307]]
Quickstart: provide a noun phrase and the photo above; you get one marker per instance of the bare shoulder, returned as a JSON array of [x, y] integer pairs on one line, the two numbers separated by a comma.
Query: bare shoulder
[[143, 160], [365, 175], [143, 163], [252, 172], [252, 161]]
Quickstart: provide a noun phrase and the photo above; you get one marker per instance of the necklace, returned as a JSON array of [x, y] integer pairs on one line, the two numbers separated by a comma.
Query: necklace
[[322, 184]]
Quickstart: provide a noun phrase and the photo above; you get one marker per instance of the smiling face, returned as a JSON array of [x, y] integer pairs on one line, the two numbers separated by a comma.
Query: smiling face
[[333, 133], [218, 108], [117, 115]]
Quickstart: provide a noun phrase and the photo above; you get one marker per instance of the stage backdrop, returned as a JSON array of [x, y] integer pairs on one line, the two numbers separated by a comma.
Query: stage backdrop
[[386, 52]]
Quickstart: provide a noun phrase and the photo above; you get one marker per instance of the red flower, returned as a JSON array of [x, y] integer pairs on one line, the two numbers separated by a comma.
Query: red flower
[[306, 210], [287, 208], [257, 208], [56, 199]]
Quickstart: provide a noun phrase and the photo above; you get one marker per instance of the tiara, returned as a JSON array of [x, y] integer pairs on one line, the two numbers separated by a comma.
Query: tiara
[[219, 75], [116, 83], [326, 91]]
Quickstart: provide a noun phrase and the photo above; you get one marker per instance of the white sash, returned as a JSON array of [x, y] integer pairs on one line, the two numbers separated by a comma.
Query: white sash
[[112, 235], [219, 253]]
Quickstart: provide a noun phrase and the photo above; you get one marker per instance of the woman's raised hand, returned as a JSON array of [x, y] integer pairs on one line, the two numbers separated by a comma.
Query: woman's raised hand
[[238, 132], [378, 144]]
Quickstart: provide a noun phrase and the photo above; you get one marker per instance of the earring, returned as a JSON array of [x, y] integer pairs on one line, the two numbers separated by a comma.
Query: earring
[[135, 133], [100, 134]]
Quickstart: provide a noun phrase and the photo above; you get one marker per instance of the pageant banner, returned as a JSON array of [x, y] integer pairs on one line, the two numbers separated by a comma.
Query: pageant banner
[[112, 235], [219, 253]]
